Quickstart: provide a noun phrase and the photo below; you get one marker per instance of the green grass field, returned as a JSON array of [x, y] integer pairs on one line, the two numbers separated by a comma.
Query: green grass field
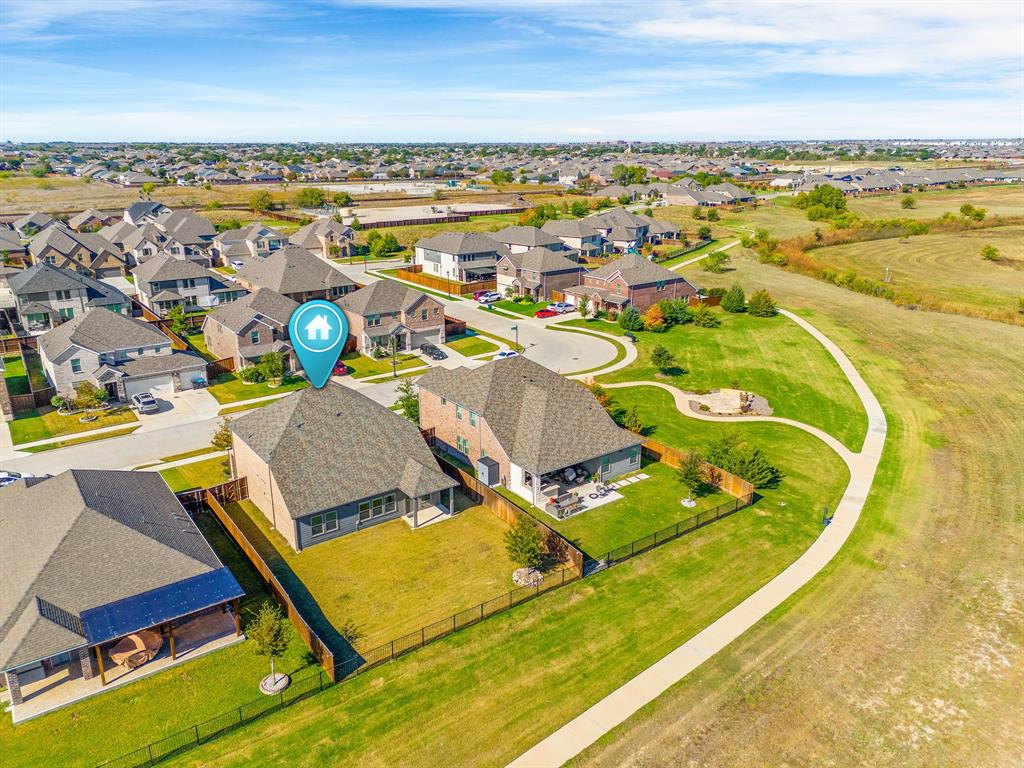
[[198, 342], [228, 388], [44, 424], [363, 366], [521, 308], [79, 440], [388, 580], [470, 345], [198, 474], [15, 375], [945, 271], [772, 357]]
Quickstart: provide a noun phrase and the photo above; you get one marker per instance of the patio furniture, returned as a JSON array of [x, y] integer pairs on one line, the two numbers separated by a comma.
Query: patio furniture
[[564, 505], [135, 650]]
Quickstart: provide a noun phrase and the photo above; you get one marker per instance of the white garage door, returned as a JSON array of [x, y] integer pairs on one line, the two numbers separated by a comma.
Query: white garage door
[[154, 384]]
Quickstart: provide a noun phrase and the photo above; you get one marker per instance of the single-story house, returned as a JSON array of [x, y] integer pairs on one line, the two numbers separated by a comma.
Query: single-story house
[[322, 463]]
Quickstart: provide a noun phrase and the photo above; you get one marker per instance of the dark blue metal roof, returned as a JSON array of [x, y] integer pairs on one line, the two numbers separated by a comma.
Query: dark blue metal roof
[[122, 617]]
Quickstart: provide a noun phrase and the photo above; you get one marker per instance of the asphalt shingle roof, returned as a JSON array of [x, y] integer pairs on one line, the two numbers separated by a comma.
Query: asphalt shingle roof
[[101, 331], [293, 269], [264, 302]]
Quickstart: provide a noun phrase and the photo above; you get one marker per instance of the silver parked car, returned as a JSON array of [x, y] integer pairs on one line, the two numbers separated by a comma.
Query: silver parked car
[[144, 402]]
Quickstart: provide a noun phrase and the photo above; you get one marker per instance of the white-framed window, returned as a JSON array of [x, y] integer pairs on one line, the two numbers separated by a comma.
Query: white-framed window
[[458, 412], [472, 419], [325, 523], [254, 337], [373, 508], [76, 365]]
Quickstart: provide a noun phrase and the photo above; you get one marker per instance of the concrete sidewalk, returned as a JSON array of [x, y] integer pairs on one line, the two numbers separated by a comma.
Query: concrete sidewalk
[[611, 711]]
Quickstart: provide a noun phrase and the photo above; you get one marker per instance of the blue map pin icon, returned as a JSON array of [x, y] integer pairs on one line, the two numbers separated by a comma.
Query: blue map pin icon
[[318, 330]]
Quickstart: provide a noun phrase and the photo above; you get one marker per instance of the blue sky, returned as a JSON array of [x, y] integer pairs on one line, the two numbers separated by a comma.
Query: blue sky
[[502, 70]]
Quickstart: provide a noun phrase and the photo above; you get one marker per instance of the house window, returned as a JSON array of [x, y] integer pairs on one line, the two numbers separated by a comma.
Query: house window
[[606, 462], [462, 445], [660, 285], [423, 314], [63, 295], [76, 365], [458, 412], [338, 290], [325, 523], [372, 320], [373, 508], [472, 419], [66, 313], [254, 337], [188, 283], [444, 401], [634, 455], [141, 351]]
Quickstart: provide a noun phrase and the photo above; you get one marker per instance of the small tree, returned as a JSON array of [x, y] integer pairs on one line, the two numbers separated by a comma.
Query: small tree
[[704, 317], [148, 188], [761, 304], [583, 306], [310, 197], [630, 320], [222, 437], [600, 394], [633, 421], [408, 401], [579, 208], [89, 396], [268, 636], [662, 358], [690, 474], [990, 253], [734, 300], [272, 365], [704, 232], [524, 543], [342, 198], [654, 321], [176, 320], [908, 202], [716, 261], [713, 215], [261, 201]]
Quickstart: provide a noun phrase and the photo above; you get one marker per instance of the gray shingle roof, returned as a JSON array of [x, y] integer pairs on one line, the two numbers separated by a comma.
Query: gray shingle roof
[[543, 260], [380, 297], [542, 420], [309, 235], [43, 278], [635, 270], [528, 236], [293, 269], [101, 331], [83, 539], [264, 302], [461, 243], [333, 446], [570, 228]]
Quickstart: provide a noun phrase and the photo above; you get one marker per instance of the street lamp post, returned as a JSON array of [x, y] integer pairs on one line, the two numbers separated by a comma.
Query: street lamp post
[[516, 329]]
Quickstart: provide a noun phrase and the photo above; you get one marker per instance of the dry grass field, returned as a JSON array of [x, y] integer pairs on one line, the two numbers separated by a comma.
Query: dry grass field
[[1002, 200], [908, 650]]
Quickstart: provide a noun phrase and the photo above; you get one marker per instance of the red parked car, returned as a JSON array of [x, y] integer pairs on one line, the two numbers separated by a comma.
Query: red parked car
[[545, 313], [340, 369]]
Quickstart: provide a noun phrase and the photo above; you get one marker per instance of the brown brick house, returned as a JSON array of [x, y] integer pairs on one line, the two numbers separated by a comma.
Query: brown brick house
[[248, 328], [631, 280], [296, 273], [537, 272], [387, 309]]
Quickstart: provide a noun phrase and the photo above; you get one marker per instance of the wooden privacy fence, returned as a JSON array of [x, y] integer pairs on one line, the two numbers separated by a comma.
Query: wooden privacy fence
[[453, 327], [511, 513], [716, 476], [414, 274], [236, 490]]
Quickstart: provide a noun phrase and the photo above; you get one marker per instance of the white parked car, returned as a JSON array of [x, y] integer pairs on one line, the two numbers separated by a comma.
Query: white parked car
[[144, 402], [489, 298], [561, 307], [7, 477], [237, 264], [506, 353]]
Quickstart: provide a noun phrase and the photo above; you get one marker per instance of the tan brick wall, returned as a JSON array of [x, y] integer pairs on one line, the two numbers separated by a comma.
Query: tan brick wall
[[263, 490], [447, 428], [435, 314]]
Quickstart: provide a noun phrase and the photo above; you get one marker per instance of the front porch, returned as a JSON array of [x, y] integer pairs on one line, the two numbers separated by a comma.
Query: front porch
[[91, 671]]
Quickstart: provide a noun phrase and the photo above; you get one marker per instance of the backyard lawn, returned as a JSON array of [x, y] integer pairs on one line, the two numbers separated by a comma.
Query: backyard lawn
[[159, 705], [198, 474], [38, 425], [388, 580], [470, 344], [772, 357], [228, 388], [363, 366], [15, 375], [647, 506], [198, 342], [35, 370]]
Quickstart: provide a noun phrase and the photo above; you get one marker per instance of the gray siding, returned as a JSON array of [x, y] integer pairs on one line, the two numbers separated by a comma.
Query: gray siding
[[619, 462], [348, 521]]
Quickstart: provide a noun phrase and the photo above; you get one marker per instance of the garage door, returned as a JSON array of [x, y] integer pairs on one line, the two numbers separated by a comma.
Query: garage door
[[153, 384]]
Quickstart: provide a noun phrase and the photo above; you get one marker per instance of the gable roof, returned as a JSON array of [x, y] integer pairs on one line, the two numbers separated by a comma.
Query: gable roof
[[536, 415], [164, 266], [457, 243], [309, 235], [100, 331], [82, 540], [42, 278], [635, 270], [293, 269], [543, 260], [381, 297], [265, 302], [336, 432], [570, 228], [529, 236]]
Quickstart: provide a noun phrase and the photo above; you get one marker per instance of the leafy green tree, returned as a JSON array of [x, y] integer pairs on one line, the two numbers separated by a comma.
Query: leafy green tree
[[662, 358], [261, 201], [272, 365], [704, 232], [268, 636], [990, 253], [691, 474], [717, 262], [583, 306], [630, 320], [908, 202], [579, 208], [628, 174], [633, 421], [176, 320], [761, 304], [502, 177], [676, 311], [734, 455], [148, 189], [342, 199], [222, 437], [734, 300], [408, 401], [310, 197], [713, 215], [524, 543]]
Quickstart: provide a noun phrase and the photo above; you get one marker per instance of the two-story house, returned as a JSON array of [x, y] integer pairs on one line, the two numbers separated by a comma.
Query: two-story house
[[630, 280], [164, 281], [85, 252], [124, 355], [622, 231], [388, 310], [521, 425], [519, 239], [91, 220], [248, 328], [45, 296], [536, 272], [235, 247], [32, 223], [577, 234], [462, 256], [143, 211], [326, 238], [296, 273], [376, 462]]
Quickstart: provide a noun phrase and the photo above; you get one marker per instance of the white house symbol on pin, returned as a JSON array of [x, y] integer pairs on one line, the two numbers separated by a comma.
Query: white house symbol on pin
[[318, 328]]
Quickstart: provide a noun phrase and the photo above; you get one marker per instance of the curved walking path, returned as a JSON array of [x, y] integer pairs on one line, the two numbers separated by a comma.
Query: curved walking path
[[579, 733]]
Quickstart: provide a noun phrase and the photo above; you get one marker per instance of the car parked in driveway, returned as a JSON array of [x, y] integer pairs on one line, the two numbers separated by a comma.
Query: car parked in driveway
[[433, 352], [489, 298], [340, 369], [543, 313], [561, 307], [144, 402], [506, 353], [7, 477]]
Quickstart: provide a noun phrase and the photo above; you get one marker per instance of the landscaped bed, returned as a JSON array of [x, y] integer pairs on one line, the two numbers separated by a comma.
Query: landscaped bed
[[45, 423], [388, 580], [229, 388]]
